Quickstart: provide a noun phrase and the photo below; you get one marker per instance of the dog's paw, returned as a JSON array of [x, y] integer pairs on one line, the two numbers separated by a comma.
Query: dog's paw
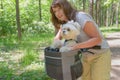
[[65, 49], [56, 44]]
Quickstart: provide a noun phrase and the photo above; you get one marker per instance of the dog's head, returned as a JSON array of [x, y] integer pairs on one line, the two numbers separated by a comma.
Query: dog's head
[[70, 30]]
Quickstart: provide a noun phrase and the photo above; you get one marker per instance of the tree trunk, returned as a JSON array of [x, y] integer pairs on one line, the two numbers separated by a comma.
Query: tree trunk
[[1, 4], [117, 15], [97, 12], [107, 17], [112, 12], [91, 7], [18, 20], [1, 7], [102, 18], [84, 1], [40, 14], [104, 14]]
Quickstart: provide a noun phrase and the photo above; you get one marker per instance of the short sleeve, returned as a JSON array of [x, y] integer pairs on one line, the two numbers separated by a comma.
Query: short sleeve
[[82, 18]]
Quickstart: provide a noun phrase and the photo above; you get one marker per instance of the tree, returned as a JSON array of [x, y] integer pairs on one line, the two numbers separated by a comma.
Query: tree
[[1, 4], [117, 15], [1, 7], [91, 5], [84, 1], [40, 14], [18, 20]]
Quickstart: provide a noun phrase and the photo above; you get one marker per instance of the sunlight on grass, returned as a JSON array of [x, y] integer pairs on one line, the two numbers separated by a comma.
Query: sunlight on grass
[[35, 66], [110, 29], [35, 71], [28, 58], [107, 30], [16, 56]]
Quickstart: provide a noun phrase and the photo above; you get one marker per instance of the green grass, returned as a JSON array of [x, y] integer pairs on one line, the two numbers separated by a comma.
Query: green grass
[[5, 72], [107, 30], [23, 60], [28, 58]]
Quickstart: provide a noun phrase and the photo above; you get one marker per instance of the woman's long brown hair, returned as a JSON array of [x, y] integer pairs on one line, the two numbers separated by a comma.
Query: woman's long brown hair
[[69, 11]]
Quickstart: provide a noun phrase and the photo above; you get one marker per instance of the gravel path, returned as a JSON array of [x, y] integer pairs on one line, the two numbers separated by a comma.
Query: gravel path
[[114, 42]]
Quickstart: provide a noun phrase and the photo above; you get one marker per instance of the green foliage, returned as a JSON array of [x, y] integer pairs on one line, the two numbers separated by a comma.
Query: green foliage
[[39, 27], [28, 58], [46, 10], [110, 29], [7, 18], [5, 71], [108, 2], [107, 30], [6, 27], [29, 14], [21, 61]]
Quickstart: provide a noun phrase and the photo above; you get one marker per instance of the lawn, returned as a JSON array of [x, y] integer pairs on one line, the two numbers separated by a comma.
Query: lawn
[[22, 60]]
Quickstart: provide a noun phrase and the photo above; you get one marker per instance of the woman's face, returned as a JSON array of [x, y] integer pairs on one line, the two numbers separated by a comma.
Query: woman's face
[[59, 13]]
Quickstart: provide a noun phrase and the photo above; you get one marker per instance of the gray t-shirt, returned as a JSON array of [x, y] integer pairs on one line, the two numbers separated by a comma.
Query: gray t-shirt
[[82, 18]]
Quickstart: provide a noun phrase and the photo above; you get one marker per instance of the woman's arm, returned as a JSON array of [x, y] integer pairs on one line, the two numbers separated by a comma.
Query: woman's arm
[[58, 35], [94, 35]]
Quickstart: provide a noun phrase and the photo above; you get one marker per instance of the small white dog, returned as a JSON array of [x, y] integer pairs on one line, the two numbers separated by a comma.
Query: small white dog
[[69, 32]]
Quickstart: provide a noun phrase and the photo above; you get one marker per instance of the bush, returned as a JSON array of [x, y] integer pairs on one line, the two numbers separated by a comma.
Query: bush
[[39, 27]]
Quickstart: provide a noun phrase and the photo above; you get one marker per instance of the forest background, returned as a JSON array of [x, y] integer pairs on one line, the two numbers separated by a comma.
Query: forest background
[[26, 29]]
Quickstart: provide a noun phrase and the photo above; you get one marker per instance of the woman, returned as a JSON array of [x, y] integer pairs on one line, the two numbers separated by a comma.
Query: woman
[[96, 66]]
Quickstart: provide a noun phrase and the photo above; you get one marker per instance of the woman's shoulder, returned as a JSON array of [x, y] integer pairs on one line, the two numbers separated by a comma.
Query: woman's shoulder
[[79, 15], [81, 12], [82, 18], [83, 15]]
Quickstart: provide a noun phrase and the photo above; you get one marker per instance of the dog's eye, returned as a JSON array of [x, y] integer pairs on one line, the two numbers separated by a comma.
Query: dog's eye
[[68, 29]]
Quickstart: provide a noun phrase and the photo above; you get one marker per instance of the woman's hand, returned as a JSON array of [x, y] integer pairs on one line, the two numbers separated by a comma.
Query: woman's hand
[[58, 35]]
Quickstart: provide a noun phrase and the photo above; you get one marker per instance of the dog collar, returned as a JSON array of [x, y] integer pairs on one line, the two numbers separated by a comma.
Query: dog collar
[[71, 40]]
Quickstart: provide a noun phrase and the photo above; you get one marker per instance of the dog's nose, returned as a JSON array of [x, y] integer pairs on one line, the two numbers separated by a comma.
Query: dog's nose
[[64, 32]]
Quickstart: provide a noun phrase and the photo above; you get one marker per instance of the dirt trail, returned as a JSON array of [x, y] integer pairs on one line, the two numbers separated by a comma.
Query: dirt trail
[[114, 42]]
